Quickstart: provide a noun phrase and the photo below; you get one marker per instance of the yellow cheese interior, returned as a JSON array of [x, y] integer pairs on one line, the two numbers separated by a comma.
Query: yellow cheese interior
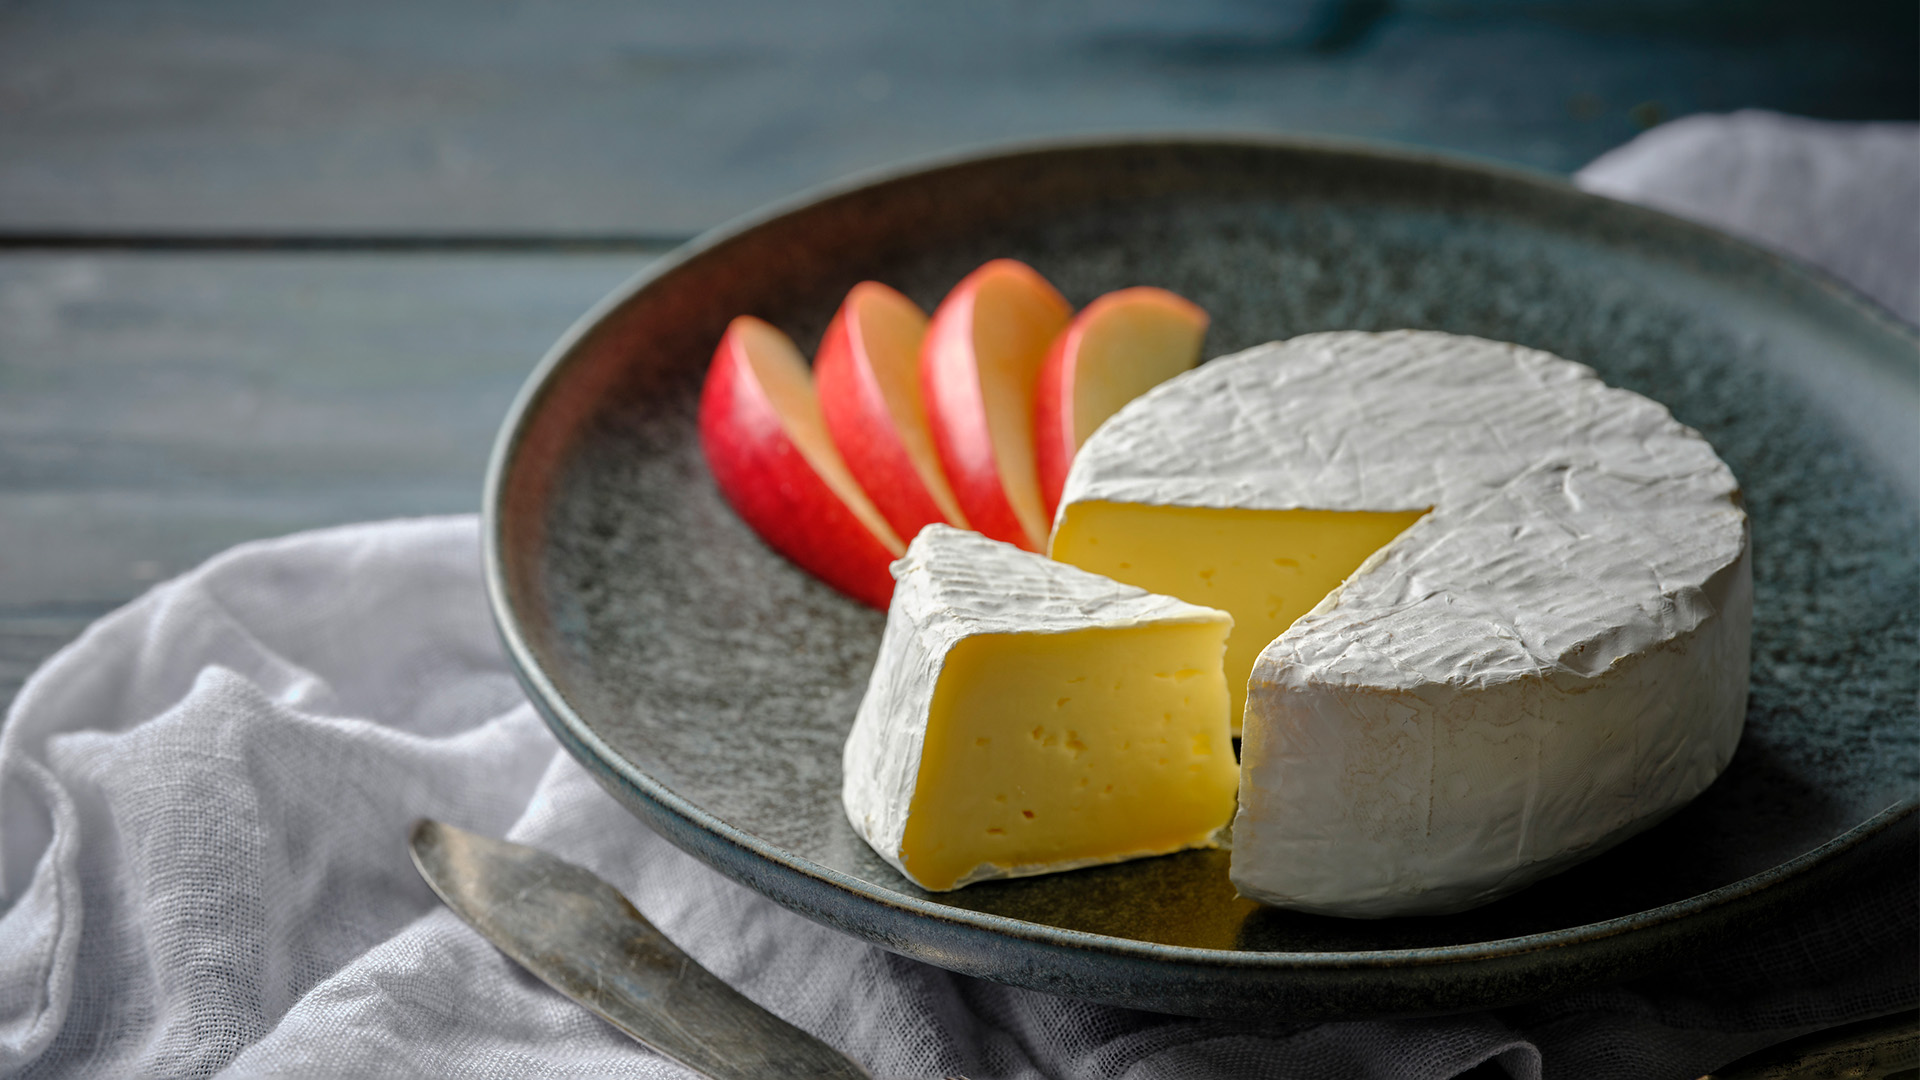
[[1086, 745], [1264, 567]]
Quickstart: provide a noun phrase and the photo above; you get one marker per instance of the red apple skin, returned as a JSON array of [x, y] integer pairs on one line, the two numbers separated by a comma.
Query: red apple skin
[[862, 426], [950, 383], [771, 486], [1055, 438]]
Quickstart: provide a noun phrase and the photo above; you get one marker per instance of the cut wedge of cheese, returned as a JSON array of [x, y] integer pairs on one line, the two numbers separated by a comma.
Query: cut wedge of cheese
[[1025, 717], [1539, 648]]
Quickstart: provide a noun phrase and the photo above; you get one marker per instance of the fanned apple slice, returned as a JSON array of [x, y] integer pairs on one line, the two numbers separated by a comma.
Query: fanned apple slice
[[1119, 347], [767, 446], [868, 375], [979, 367]]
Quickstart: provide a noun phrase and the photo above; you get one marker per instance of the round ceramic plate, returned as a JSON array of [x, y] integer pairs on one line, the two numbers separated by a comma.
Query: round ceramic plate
[[709, 684]]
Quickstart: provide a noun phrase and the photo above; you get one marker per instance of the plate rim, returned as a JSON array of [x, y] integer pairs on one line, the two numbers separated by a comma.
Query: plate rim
[[579, 736]]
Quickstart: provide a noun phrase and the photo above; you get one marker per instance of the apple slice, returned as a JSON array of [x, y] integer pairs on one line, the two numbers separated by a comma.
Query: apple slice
[[979, 366], [767, 446], [868, 375], [1119, 347]]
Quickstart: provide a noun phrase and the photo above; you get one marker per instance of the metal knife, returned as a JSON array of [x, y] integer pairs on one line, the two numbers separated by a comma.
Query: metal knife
[[581, 937]]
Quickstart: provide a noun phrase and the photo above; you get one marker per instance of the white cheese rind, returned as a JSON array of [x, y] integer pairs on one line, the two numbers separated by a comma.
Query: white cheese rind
[[951, 585], [1552, 659]]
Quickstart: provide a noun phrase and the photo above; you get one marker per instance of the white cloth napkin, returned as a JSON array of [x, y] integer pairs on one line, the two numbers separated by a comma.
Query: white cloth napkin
[[203, 811], [1844, 197]]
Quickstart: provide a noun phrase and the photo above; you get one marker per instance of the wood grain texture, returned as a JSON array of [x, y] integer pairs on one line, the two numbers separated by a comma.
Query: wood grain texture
[[436, 116], [156, 409]]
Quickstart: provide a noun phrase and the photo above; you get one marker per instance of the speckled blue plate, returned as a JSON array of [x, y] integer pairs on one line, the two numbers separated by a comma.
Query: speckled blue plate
[[708, 683]]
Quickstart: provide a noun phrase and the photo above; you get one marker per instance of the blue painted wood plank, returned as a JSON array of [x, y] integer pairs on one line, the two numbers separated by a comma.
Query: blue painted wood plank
[[603, 116], [156, 409]]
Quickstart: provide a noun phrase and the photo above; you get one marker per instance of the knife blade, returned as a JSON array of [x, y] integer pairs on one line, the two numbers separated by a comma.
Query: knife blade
[[581, 937]]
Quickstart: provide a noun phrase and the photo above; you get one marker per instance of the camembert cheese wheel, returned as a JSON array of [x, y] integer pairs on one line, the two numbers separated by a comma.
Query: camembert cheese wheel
[[1491, 614], [1025, 716]]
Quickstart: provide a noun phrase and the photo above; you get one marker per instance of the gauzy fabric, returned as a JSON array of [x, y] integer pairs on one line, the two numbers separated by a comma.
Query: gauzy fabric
[[1844, 197], [204, 805]]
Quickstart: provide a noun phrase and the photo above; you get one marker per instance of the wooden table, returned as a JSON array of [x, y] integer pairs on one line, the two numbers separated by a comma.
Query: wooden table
[[270, 267], [266, 267]]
